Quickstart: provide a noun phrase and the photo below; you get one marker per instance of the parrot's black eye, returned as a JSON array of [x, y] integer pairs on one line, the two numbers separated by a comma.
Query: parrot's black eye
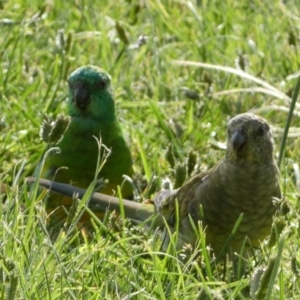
[[101, 84], [260, 131]]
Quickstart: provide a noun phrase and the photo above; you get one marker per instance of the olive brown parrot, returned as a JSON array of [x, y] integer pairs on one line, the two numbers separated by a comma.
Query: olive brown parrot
[[245, 183]]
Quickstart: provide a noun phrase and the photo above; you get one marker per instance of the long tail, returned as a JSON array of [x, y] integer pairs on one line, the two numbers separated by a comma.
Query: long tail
[[100, 202]]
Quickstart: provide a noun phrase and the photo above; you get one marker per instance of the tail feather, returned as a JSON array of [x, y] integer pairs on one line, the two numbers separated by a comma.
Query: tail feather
[[101, 202]]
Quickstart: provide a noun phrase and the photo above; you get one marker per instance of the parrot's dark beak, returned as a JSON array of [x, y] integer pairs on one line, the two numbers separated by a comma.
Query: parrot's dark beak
[[81, 96], [238, 139]]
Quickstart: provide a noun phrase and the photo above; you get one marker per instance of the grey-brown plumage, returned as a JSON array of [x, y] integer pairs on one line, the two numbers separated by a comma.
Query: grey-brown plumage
[[245, 182]]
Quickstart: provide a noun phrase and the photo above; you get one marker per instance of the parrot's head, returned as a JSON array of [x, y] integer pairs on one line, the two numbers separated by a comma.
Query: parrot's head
[[249, 139], [90, 93]]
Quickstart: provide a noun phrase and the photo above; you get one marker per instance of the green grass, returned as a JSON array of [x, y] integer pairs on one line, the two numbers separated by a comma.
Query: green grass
[[42, 42]]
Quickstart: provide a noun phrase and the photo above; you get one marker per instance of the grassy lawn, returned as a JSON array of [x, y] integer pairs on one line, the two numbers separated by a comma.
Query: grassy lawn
[[180, 70]]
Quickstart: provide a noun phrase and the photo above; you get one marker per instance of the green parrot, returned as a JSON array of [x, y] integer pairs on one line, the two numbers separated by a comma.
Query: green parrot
[[92, 111], [244, 183]]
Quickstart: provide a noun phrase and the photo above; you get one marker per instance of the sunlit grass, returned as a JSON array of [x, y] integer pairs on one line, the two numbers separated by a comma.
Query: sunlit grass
[[235, 56]]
